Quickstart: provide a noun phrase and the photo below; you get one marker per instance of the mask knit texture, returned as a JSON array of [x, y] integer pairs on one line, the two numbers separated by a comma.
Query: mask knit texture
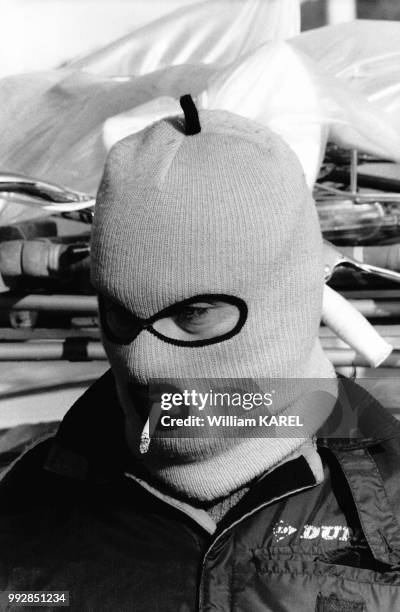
[[224, 211]]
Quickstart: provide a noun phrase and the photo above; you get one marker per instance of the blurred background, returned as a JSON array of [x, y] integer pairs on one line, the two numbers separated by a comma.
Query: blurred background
[[317, 13], [41, 34]]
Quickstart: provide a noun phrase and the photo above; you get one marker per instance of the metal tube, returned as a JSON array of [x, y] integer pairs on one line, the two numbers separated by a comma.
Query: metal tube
[[88, 350], [49, 303], [10, 334], [368, 181], [348, 357], [59, 197], [372, 294], [72, 349], [377, 309], [88, 304], [353, 171]]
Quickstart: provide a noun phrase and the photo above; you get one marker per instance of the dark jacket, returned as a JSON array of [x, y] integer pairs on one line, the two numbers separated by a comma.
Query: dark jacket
[[70, 520]]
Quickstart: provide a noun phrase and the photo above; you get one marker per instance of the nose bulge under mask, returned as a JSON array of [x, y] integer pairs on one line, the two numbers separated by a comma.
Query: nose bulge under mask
[[237, 364], [252, 353]]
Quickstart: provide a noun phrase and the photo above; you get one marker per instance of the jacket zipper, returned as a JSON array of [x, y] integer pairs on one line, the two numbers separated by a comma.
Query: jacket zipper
[[232, 525]]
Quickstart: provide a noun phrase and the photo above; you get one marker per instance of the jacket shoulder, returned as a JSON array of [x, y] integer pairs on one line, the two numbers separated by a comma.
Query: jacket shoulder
[[15, 441]]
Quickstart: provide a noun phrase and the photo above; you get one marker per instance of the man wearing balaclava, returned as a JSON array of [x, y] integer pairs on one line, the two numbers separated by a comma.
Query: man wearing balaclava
[[193, 225], [207, 261]]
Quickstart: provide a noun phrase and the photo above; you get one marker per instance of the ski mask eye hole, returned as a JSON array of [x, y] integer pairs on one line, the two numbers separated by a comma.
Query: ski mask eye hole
[[119, 325], [197, 321], [201, 320]]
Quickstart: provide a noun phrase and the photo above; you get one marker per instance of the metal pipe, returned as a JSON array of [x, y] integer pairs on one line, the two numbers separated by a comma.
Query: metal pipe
[[371, 294], [377, 309], [384, 256], [325, 193], [374, 308], [88, 304], [42, 258], [72, 349], [334, 259], [49, 303], [89, 350], [59, 198], [348, 357], [353, 171], [365, 180], [9, 334]]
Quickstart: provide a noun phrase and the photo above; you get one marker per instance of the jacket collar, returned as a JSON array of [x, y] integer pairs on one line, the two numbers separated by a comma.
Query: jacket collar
[[90, 442], [358, 420]]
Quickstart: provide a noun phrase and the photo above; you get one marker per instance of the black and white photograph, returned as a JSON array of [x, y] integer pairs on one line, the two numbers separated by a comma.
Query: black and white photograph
[[200, 305]]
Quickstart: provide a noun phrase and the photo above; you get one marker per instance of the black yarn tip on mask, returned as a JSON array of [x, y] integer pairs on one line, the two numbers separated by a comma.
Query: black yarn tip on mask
[[192, 121]]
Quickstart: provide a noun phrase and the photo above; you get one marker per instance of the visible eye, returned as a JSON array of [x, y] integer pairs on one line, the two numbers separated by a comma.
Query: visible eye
[[191, 318], [198, 321], [191, 322]]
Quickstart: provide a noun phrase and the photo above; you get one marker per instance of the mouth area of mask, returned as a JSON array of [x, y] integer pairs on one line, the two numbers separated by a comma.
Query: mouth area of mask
[[187, 419], [209, 460]]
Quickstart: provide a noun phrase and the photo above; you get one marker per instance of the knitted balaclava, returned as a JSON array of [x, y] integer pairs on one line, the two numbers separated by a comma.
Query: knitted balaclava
[[218, 208]]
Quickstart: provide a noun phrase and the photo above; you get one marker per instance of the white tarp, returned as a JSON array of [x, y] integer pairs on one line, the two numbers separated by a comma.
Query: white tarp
[[211, 32], [52, 123], [58, 125], [359, 64]]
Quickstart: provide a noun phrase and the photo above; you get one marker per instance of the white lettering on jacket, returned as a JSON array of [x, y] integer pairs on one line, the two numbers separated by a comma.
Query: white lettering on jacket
[[341, 533], [326, 532]]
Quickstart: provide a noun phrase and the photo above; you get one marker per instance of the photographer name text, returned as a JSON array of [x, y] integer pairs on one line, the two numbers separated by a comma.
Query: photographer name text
[[279, 420]]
